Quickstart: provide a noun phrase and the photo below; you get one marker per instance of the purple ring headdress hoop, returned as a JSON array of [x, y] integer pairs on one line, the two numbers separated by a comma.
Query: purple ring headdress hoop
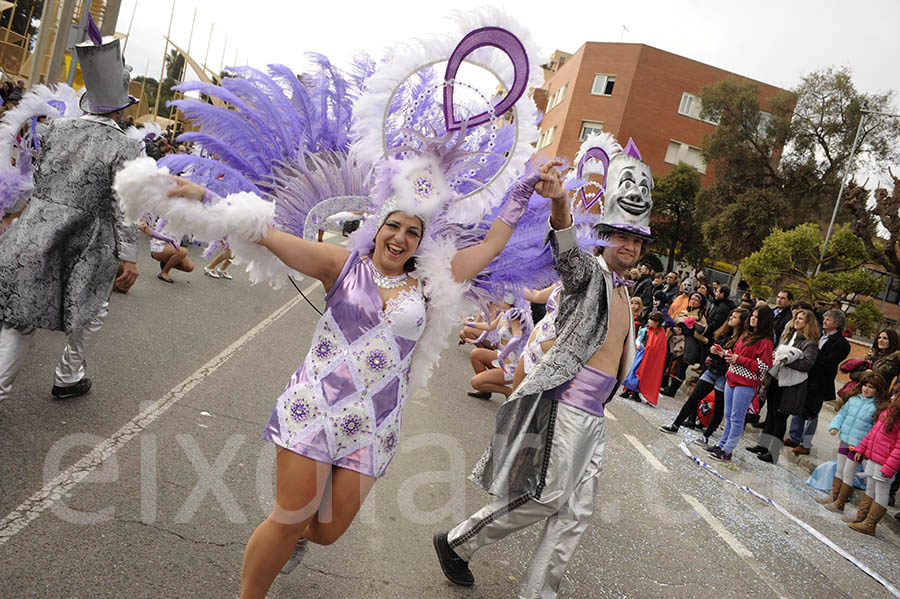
[[406, 103], [597, 150]]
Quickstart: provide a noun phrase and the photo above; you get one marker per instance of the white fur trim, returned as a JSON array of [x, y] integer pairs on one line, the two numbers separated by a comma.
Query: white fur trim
[[606, 142], [447, 306], [370, 110], [242, 217]]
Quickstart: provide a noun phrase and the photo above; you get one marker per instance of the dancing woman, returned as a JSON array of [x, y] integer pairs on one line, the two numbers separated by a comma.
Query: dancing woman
[[375, 313], [392, 299]]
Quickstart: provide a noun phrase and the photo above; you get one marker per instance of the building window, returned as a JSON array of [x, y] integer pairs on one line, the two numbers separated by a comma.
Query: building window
[[589, 127], [691, 106], [557, 97], [603, 85], [546, 138], [680, 152]]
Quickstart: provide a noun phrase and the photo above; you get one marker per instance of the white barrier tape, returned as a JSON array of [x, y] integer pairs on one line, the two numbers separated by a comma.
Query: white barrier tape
[[840, 551]]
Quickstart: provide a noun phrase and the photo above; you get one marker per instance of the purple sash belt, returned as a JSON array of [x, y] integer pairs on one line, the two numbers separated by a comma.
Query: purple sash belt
[[589, 391]]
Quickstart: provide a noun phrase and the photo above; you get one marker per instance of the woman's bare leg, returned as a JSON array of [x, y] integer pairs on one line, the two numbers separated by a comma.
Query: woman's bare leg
[[222, 256], [171, 256], [481, 359], [343, 497], [299, 487], [491, 381]]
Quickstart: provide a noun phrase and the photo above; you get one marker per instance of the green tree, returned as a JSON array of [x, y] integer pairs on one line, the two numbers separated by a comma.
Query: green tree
[[789, 259], [815, 125], [19, 15], [674, 227]]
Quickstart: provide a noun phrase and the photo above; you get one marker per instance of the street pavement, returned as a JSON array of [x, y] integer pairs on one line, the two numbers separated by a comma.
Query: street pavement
[[150, 485]]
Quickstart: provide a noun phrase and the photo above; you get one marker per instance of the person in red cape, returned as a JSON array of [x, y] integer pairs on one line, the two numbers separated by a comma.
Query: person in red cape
[[645, 377]]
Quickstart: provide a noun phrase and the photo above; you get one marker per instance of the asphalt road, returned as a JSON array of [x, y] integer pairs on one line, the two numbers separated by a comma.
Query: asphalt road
[[150, 485]]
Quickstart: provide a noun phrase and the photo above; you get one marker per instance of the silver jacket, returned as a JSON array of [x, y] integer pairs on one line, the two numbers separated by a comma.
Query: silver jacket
[[513, 461], [58, 260]]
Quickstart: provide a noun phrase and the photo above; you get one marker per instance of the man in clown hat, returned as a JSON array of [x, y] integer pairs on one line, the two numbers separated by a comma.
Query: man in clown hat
[[59, 261], [545, 456]]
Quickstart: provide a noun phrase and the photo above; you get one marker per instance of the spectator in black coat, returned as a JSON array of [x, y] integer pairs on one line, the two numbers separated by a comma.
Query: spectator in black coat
[[720, 308], [783, 314], [833, 349], [644, 287], [672, 287]]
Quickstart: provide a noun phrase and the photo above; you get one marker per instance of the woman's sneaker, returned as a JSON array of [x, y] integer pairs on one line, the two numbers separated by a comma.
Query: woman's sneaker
[[211, 273], [720, 455], [669, 428], [701, 441], [712, 449], [296, 557]]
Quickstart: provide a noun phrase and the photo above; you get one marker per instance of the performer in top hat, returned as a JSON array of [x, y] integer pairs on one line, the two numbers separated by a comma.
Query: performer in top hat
[[59, 261], [546, 450]]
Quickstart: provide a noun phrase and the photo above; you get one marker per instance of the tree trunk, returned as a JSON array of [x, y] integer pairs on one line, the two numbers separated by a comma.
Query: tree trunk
[[670, 263]]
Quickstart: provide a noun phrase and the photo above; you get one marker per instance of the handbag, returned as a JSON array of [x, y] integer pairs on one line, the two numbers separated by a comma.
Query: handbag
[[854, 364]]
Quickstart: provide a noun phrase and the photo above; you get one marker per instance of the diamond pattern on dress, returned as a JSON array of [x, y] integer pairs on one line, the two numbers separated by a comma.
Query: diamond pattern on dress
[[350, 427], [299, 410], [386, 440], [374, 359], [327, 348]]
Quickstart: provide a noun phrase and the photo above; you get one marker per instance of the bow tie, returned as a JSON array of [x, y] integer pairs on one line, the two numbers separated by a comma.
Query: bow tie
[[619, 281]]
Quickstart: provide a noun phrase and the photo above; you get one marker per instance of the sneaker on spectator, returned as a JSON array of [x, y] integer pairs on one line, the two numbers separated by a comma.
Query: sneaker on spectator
[[701, 441], [721, 456]]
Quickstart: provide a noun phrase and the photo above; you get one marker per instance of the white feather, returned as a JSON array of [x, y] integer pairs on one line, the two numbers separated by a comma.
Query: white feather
[[32, 104], [368, 128], [242, 217], [447, 306]]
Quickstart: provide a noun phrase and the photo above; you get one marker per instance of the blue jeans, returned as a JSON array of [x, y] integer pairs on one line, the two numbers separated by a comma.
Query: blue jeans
[[737, 400], [802, 430]]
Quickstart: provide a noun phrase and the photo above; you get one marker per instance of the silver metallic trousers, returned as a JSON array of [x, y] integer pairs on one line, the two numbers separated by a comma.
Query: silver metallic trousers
[[15, 342], [564, 499]]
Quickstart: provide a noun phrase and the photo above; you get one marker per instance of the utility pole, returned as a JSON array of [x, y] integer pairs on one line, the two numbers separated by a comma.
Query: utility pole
[[48, 18]]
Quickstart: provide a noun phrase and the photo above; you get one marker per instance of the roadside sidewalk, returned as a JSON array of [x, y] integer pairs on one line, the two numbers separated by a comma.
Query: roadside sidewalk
[[824, 449]]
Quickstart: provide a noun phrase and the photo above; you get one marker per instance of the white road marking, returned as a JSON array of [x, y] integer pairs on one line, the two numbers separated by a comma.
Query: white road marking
[[14, 522], [646, 453], [717, 526], [610, 415], [734, 543]]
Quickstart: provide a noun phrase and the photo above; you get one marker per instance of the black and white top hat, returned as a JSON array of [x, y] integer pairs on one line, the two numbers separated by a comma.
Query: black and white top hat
[[106, 76]]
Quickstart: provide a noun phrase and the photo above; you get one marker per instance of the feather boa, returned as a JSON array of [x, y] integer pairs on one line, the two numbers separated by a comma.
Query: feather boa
[[243, 217], [447, 306], [34, 103]]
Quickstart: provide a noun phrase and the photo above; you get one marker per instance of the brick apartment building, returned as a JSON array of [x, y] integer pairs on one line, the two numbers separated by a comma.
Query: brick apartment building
[[629, 90]]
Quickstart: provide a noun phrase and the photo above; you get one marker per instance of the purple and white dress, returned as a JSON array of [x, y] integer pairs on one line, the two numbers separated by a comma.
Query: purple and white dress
[[511, 346], [343, 405], [544, 330]]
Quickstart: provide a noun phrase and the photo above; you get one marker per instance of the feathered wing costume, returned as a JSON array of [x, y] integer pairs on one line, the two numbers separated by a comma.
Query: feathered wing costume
[[20, 139], [418, 147]]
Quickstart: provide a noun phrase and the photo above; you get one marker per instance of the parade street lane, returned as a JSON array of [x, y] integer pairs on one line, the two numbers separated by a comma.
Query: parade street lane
[[177, 503]]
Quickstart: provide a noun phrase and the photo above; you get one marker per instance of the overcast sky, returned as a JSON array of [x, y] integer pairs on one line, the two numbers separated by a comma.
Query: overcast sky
[[776, 42]]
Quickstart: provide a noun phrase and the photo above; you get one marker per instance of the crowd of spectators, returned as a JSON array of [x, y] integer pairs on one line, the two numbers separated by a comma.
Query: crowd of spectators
[[788, 375]]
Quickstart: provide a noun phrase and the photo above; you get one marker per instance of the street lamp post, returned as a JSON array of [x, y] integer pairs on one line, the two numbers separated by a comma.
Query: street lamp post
[[837, 202]]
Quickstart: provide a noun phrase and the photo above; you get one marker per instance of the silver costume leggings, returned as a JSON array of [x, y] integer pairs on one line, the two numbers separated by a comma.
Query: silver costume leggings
[[565, 500], [15, 341]]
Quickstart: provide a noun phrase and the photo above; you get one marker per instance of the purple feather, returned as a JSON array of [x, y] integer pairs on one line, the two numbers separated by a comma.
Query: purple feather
[[15, 187], [93, 31]]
